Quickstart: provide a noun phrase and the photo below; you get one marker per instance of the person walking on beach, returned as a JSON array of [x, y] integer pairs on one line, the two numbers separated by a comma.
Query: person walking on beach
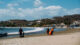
[[48, 31], [21, 32], [51, 31]]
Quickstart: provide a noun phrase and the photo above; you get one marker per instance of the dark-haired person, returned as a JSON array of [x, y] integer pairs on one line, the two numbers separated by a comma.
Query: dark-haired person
[[21, 32], [47, 31]]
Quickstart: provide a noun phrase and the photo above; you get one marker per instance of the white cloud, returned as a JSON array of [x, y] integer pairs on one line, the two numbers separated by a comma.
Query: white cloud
[[74, 11], [12, 4], [53, 7], [36, 13], [20, 9], [38, 3]]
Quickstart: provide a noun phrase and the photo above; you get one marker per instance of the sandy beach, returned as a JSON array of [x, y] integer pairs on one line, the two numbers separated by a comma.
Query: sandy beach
[[69, 37]]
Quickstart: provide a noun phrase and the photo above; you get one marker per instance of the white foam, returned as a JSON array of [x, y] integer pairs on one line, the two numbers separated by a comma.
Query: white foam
[[35, 30]]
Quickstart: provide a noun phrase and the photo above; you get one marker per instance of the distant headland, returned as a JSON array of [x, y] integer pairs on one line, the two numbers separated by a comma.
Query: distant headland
[[64, 20]]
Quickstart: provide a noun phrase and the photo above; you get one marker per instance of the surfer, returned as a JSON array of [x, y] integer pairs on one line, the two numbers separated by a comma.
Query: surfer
[[51, 31], [21, 33]]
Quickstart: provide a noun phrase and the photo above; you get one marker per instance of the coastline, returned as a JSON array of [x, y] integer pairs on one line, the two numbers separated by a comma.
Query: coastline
[[68, 31], [69, 37]]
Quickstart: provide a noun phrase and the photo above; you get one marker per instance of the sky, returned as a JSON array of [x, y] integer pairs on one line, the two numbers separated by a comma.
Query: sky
[[37, 9]]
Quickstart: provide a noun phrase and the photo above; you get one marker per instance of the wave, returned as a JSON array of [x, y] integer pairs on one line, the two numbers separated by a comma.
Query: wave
[[35, 30]]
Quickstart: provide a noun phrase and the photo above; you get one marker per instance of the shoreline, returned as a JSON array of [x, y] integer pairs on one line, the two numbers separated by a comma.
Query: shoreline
[[68, 31], [69, 37]]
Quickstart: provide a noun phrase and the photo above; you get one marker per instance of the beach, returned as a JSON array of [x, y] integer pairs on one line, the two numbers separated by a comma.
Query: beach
[[69, 37]]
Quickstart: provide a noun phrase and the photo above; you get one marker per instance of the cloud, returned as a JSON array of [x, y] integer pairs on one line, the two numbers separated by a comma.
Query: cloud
[[38, 3], [53, 7], [12, 4], [74, 11], [35, 13]]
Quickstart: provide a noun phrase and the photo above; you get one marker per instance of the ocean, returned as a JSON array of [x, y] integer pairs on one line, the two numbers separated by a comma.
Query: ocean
[[14, 31]]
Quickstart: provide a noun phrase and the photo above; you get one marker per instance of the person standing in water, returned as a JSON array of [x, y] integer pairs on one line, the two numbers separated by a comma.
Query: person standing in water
[[21, 32], [51, 31]]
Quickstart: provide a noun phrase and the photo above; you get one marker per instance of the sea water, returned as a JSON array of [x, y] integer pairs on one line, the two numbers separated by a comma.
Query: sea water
[[14, 31]]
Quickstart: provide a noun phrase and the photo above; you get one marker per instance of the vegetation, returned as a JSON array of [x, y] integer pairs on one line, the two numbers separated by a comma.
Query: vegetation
[[68, 19]]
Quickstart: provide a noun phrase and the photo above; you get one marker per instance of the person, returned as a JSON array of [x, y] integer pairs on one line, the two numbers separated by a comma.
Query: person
[[6, 34], [51, 31], [48, 31], [21, 32]]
